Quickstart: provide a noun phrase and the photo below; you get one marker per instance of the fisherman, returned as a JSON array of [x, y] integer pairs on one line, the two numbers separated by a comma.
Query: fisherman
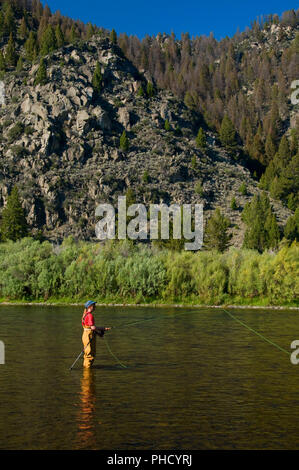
[[89, 333]]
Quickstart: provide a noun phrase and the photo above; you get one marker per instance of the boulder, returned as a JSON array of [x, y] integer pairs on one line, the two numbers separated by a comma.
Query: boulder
[[83, 122], [124, 117], [102, 118]]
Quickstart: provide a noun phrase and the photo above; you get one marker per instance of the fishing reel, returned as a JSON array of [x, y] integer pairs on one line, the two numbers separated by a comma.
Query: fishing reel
[[100, 331]]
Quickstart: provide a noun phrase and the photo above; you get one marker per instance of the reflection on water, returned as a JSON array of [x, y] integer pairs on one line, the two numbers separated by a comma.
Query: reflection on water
[[195, 379], [86, 414]]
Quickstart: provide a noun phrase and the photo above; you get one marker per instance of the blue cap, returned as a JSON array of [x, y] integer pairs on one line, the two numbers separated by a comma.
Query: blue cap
[[89, 303]]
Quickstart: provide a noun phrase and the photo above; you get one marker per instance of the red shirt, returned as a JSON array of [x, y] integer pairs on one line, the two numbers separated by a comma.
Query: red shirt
[[88, 320]]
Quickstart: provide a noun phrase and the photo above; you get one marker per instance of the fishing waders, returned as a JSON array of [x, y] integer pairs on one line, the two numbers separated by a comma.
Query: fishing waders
[[89, 344]]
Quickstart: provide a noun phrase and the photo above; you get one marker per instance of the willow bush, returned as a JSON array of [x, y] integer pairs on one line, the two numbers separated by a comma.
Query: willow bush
[[18, 264], [210, 276], [142, 274], [179, 276], [281, 275], [126, 271], [245, 278]]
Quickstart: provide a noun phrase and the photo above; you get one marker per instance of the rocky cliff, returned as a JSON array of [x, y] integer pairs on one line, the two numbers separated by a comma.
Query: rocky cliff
[[60, 144]]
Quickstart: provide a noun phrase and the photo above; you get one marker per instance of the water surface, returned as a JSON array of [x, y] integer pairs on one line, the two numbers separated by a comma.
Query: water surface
[[195, 379]]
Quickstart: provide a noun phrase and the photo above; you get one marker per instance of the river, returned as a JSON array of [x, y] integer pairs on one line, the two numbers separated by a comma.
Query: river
[[183, 379]]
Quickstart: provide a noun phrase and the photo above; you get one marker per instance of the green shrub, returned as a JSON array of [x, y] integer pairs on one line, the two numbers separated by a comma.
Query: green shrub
[[209, 274], [233, 204], [124, 143], [19, 151], [179, 275], [29, 130], [243, 189], [15, 132], [145, 177], [199, 188], [167, 125], [30, 269]]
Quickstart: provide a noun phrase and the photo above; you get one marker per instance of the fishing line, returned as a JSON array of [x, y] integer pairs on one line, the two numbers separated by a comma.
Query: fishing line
[[123, 326], [113, 355], [154, 318], [256, 332], [133, 323]]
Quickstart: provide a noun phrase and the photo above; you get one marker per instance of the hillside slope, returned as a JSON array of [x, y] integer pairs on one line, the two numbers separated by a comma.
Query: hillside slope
[[60, 144]]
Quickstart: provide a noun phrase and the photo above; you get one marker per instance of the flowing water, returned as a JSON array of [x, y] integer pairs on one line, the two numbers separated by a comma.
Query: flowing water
[[194, 379]]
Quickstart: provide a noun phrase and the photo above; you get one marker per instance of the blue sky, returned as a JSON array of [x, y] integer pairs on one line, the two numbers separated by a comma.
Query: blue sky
[[141, 17]]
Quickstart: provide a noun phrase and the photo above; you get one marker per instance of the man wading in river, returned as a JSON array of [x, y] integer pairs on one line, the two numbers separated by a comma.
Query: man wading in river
[[89, 333]]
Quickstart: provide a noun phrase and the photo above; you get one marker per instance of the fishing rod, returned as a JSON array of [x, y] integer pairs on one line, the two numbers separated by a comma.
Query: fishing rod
[[153, 318], [107, 345], [79, 356]]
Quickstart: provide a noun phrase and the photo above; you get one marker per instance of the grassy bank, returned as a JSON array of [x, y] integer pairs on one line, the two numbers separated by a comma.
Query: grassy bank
[[123, 273]]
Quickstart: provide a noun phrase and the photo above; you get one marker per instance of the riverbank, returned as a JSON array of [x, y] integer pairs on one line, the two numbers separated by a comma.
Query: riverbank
[[151, 305], [126, 274]]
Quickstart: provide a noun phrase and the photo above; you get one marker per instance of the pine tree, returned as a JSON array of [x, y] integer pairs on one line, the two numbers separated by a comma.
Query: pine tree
[[150, 91], [216, 233], [124, 142], [271, 227], [201, 140], [227, 133], [11, 55], [20, 64], [41, 76], [270, 147], [262, 230], [189, 100], [48, 41], [23, 30], [257, 148], [31, 47], [13, 224], [291, 230], [2, 62], [90, 31], [284, 151], [97, 79], [113, 36], [294, 142], [37, 9], [73, 34], [59, 36], [9, 20], [1, 24], [273, 124]]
